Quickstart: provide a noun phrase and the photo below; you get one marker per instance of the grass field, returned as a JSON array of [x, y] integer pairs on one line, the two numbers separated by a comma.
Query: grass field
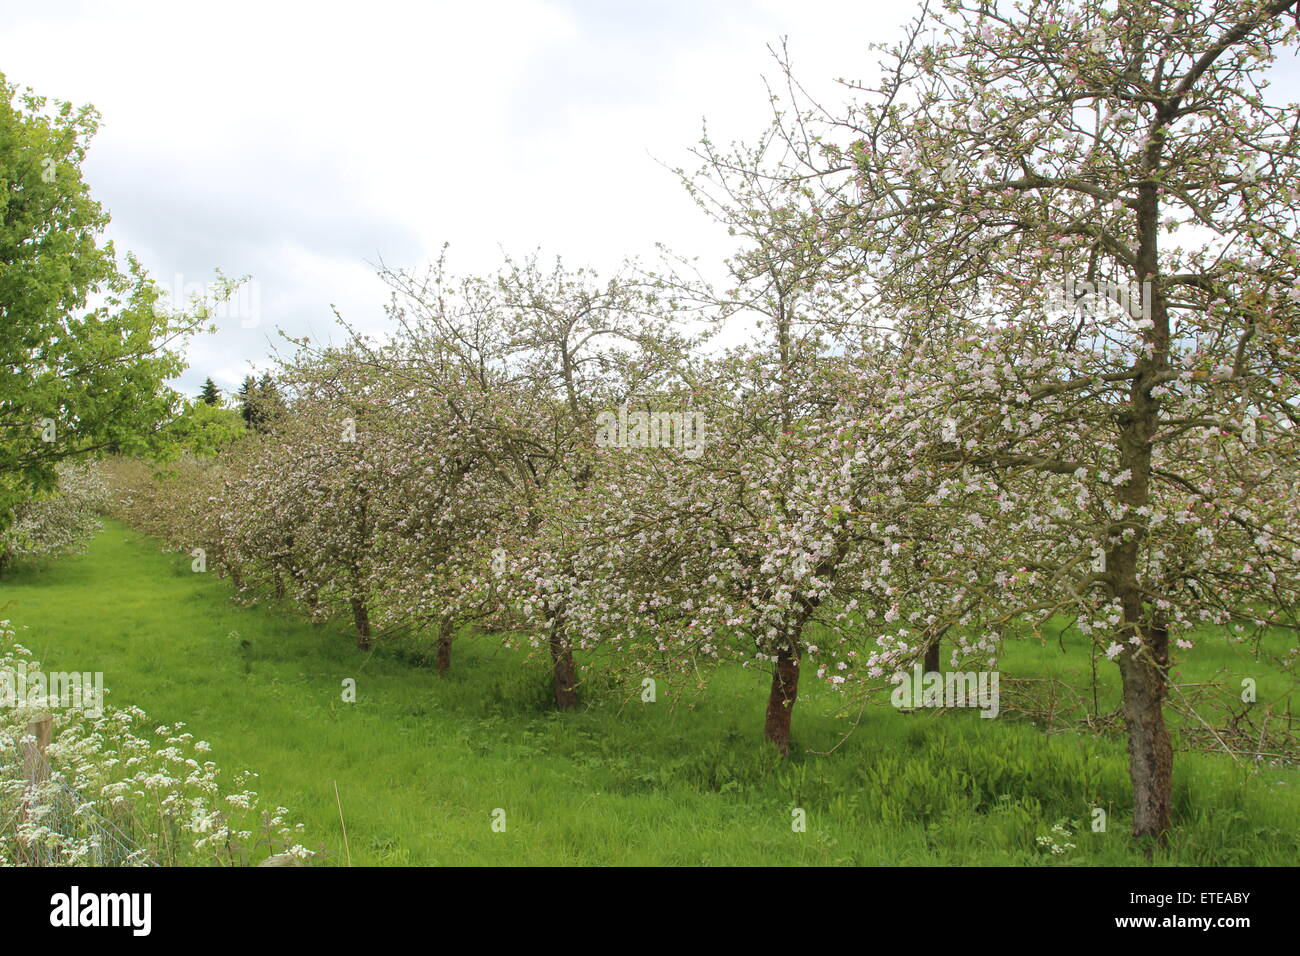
[[422, 761]]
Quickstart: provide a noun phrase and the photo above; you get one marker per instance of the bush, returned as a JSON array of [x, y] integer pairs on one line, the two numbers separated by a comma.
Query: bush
[[58, 524]]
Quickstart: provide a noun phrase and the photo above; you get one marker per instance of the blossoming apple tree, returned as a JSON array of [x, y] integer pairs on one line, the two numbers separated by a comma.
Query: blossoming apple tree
[[1006, 160]]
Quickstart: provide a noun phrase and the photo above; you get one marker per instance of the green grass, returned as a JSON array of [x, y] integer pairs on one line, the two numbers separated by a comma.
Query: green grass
[[421, 761]]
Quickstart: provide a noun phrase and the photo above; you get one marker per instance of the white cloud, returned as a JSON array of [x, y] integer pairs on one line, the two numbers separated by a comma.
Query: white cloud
[[295, 141]]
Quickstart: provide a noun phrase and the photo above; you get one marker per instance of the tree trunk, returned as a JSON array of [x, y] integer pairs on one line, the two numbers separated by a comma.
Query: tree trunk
[[1150, 754], [1144, 670], [361, 617], [780, 702], [932, 655], [444, 648], [566, 682]]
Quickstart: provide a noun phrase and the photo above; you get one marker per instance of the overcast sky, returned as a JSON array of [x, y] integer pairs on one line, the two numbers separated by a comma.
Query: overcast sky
[[297, 143]]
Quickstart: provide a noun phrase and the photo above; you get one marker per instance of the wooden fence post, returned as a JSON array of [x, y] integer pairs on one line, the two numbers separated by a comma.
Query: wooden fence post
[[37, 771], [35, 766]]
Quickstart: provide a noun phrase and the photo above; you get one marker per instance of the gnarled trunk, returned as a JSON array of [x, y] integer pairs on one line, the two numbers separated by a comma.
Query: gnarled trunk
[[361, 618], [1150, 754], [443, 662], [932, 654], [1145, 670], [780, 701], [565, 674]]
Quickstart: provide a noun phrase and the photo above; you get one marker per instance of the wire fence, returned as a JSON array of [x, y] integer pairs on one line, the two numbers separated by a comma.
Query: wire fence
[[61, 816]]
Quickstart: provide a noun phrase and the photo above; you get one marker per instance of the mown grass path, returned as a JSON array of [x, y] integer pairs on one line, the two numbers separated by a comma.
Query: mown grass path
[[422, 761]]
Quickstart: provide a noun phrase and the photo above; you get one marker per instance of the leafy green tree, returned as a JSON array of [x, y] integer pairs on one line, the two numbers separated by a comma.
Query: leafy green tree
[[261, 402], [84, 352], [204, 429], [211, 395]]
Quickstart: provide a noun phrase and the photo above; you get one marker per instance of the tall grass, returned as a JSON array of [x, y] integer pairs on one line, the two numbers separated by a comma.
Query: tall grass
[[421, 761]]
